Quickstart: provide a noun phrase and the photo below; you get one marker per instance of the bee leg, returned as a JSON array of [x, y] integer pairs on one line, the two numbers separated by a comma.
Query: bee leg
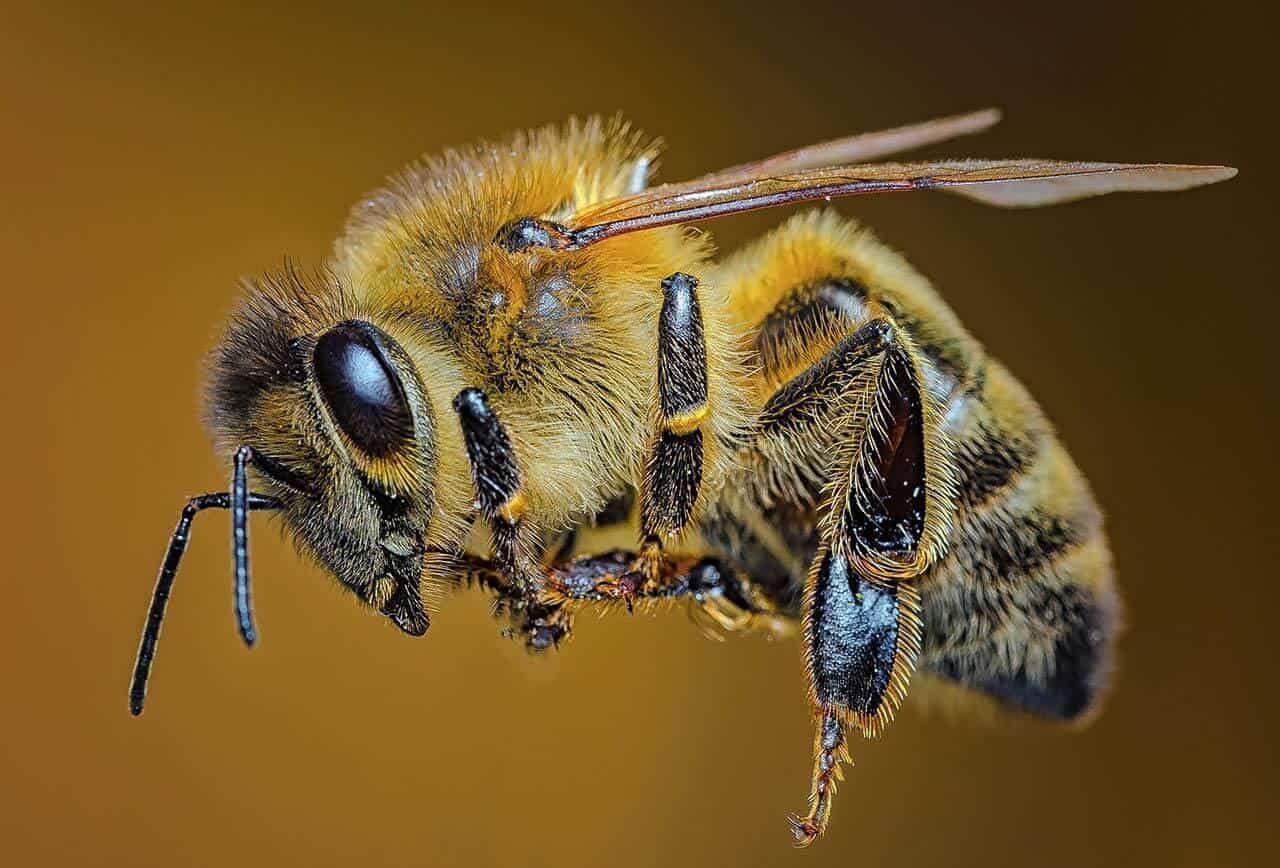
[[542, 620], [829, 751], [861, 641], [673, 473], [593, 581], [496, 477], [721, 598], [542, 625], [861, 404]]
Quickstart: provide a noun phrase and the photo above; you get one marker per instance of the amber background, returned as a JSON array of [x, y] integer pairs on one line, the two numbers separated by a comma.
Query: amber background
[[150, 158]]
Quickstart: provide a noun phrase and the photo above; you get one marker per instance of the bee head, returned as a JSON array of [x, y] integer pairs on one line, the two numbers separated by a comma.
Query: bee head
[[341, 430]]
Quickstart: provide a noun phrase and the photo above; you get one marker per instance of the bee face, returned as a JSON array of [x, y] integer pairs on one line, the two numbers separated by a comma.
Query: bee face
[[342, 433]]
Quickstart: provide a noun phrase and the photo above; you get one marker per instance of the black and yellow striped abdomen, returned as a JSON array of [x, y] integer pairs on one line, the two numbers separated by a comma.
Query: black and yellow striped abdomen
[[1021, 606]]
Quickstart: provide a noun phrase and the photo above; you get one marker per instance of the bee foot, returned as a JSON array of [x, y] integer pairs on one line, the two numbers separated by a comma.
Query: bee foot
[[546, 630], [629, 584], [805, 830]]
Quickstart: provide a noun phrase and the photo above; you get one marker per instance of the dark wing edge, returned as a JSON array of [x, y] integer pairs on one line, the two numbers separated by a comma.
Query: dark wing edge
[[1025, 183]]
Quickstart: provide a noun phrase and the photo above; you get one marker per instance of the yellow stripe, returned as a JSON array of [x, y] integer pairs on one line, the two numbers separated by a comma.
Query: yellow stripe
[[688, 421], [513, 508]]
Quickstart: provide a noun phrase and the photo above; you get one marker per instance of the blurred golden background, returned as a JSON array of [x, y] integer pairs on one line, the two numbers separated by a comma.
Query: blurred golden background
[[153, 156]]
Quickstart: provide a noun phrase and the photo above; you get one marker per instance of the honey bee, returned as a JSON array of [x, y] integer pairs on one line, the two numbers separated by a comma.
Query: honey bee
[[516, 347]]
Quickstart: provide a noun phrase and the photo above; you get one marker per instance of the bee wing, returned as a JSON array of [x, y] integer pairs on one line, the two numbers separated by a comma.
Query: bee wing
[[1003, 183], [858, 148]]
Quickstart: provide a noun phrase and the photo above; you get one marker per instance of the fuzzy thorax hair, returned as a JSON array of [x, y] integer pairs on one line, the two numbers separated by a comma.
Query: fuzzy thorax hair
[[563, 343]]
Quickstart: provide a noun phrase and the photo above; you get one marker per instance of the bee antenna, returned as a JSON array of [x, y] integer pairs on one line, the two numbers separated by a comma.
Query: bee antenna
[[240, 544], [240, 501]]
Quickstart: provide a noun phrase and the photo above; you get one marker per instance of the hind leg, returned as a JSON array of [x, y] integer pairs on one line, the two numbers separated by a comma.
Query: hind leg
[[883, 523], [847, 432]]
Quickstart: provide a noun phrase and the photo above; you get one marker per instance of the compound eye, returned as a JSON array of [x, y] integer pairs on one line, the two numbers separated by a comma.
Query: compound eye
[[362, 389]]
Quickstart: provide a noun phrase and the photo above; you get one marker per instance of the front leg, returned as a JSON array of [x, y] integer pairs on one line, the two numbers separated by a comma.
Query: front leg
[[672, 475], [540, 599], [495, 474]]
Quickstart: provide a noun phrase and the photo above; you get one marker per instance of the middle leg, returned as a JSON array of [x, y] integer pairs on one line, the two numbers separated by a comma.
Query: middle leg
[[539, 594], [672, 475]]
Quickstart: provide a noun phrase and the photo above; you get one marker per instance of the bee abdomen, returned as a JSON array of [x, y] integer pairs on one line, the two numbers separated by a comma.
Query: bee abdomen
[[790, 335], [1023, 607], [997, 433]]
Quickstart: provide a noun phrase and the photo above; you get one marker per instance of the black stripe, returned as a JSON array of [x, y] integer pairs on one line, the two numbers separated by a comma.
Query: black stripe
[[826, 305], [806, 396], [988, 462], [996, 547], [988, 459]]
